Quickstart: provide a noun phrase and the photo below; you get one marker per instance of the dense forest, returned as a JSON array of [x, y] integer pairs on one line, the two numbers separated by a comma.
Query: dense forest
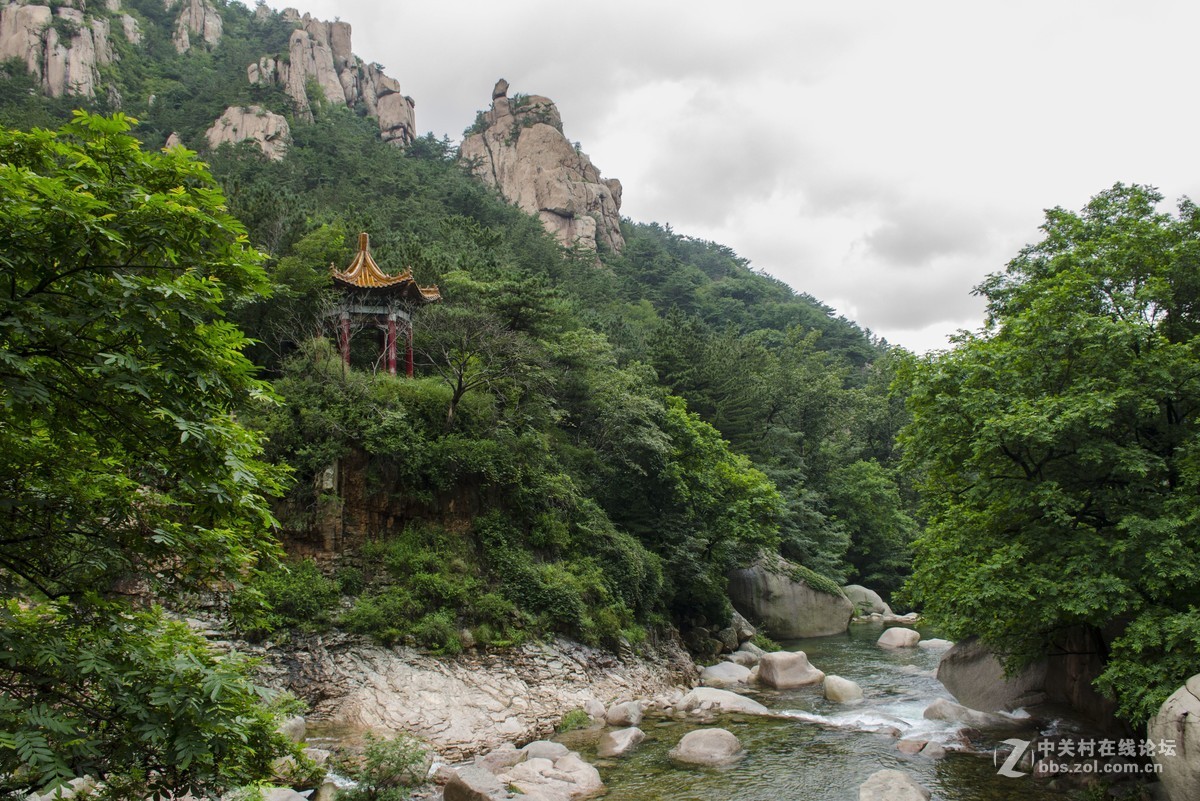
[[624, 428]]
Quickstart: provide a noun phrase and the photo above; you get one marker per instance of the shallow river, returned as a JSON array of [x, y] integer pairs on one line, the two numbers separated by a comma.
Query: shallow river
[[823, 751]]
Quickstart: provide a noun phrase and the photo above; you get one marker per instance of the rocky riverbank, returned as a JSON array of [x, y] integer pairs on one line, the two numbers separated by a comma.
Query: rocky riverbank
[[470, 703]]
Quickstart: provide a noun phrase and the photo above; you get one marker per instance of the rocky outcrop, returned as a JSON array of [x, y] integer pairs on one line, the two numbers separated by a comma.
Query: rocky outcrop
[[942, 709], [251, 123], [198, 22], [62, 48], [1178, 720], [469, 703], [773, 595], [620, 742], [518, 146], [973, 675], [321, 60]]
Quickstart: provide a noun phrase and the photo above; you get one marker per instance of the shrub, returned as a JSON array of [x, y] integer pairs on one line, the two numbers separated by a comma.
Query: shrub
[[295, 595], [385, 769], [575, 719]]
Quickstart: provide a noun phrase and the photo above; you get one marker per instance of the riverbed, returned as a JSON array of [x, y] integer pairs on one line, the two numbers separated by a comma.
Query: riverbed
[[821, 751]]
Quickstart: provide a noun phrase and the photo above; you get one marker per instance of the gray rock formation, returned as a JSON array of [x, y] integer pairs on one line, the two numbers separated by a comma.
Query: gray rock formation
[[61, 48], [786, 669], [240, 123], [788, 607], [320, 55], [866, 601], [1179, 719], [974, 676], [471, 703], [518, 147], [707, 747], [892, 785], [198, 21]]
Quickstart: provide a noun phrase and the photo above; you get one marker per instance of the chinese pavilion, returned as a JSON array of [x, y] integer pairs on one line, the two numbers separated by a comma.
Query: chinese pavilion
[[370, 296]]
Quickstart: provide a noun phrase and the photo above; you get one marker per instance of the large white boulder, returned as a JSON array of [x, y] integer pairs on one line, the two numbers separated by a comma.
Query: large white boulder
[[722, 701], [1178, 719], [725, 674], [898, 637], [842, 691], [707, 747], [786, 669], [628, 713]]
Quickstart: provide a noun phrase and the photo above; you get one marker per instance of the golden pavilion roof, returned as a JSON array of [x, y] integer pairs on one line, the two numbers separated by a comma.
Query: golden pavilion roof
[[364, 273]]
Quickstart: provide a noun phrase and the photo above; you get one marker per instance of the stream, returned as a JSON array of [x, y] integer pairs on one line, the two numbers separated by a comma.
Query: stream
[[822, 751]]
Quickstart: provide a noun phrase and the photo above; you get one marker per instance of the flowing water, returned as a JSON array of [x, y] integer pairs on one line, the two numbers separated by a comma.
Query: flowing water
[[823, 751]]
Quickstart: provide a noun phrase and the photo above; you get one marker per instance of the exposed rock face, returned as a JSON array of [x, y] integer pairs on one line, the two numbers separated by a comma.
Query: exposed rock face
[[469, 703], [320, 55], [198, 21], [892, 785], [62, 48], [521, 150], [131, 29], [787, 607], [1179, 719], [786, 669], [240, 123]]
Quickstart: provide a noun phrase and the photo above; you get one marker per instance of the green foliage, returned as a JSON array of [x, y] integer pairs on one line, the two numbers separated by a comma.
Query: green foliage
[[1058, 448], [764, 642], [284, 596], [108, 691], [119, 380], [386, 769], [575, 719]]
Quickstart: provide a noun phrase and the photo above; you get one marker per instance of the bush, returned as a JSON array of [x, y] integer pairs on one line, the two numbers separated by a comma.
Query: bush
[[286, 596], [575, 719], [385, 769]]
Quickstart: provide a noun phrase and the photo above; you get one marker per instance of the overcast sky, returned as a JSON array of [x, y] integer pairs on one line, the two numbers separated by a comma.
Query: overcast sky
[[881, 156]]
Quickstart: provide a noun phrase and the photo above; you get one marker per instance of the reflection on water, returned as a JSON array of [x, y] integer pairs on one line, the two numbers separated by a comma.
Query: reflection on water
[[822, 751]]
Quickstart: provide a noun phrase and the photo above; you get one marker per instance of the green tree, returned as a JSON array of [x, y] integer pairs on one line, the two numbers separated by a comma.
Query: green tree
[[1060, 448], [124, 469]]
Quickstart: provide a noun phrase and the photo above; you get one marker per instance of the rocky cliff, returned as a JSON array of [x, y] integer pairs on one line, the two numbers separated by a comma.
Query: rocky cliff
[[253, 123], [61, 46], [320, 66], [518, 146]]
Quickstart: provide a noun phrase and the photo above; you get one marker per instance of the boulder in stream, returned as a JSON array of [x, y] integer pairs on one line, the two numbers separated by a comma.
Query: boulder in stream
[[892, 785], [707, 747], [722, 701], [786, 669], [725, 674], [842, 691], [619, 742], [898, 637]]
